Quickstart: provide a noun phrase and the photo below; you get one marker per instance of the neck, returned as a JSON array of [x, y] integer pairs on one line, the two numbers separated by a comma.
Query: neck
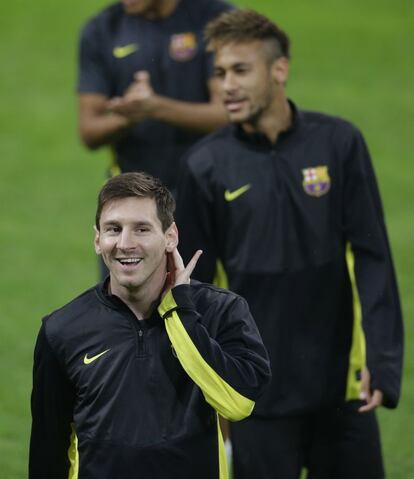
[[162, 9], [142, 300], [272, 121]]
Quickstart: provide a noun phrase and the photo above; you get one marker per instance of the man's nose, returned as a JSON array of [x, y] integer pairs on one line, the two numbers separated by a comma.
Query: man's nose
[[126, 240], [229, 82]]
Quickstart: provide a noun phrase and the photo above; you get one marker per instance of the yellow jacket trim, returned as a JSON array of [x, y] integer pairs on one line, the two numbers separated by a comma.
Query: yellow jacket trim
[[73, 455], [357, 358], [220, 276], [223, 466], [221, 396]]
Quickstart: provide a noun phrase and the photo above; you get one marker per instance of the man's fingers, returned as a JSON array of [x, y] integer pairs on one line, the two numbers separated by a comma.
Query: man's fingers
[[178, 261], [374, 402], [365, 395], [193, 261], [142, 75], [114, 103], [182, 273]]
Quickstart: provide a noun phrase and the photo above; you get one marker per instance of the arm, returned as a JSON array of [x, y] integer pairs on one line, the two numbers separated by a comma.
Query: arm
[[97, 125], [375, 277], [103, 120], [232, 368], [203, 117], [140, 102], [52, 407]]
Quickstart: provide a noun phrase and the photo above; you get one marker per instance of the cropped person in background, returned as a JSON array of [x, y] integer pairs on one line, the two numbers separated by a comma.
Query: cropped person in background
[[145, 83], [130, 376], [285, 206]]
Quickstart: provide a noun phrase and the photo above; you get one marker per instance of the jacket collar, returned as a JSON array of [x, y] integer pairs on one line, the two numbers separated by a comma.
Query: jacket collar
[[115, 303], [259, 140]]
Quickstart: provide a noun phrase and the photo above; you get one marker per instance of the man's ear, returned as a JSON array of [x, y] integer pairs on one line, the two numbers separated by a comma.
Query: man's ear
[[96, 240], [280, 70], [171, 238]]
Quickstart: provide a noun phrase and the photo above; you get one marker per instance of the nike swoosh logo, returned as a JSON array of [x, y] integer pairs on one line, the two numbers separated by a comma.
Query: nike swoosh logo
[[232, 195], [87, 360], [122, 52]]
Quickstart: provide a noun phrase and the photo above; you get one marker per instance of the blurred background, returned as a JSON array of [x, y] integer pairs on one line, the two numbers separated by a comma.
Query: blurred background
[[349, 58]]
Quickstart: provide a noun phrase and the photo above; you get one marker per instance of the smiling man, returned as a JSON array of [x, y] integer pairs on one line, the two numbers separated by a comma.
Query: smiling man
[[129, 377], [285, 205]]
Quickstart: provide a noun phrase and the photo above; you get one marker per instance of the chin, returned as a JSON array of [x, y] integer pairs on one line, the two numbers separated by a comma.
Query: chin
[[237, 117], [133, 8], [241, 116], [125, 281]]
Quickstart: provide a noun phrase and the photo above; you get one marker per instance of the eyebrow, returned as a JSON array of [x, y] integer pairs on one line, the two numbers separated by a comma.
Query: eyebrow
[[118, 223], [233, 65]]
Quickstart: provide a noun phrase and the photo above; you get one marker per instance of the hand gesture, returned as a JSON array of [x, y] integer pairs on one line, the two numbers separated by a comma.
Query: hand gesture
[[177, 273], [138, 101]]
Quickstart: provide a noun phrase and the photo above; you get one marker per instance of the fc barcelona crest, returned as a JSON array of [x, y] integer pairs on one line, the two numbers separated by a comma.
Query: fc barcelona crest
[[183, 46], [316, 181]]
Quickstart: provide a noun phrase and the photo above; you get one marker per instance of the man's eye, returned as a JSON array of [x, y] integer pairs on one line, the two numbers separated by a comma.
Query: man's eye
[[112, 229]]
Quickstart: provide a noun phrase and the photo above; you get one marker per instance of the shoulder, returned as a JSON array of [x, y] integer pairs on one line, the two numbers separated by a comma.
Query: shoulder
[[60, 322], [214, 144], [339, 127], [217, 156], [206, 295], [335, 135], [103, 20]]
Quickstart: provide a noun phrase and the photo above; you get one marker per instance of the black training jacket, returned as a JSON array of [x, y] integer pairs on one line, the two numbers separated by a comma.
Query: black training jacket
[[297, 229], [114, 397]]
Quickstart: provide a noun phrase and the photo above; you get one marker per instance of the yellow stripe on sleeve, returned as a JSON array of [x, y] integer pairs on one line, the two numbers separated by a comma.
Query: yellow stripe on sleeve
[[221, 396], [73, 455], [357, 358]]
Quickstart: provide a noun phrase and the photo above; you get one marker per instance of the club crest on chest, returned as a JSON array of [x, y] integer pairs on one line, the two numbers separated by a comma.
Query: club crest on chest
[[316, 180], [183, 46]]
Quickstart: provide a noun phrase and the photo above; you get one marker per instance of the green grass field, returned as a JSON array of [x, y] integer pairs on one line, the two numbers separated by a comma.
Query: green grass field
[[349, 58]]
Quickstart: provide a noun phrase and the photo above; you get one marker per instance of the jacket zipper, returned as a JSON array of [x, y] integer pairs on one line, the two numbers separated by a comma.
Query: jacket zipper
[[140, 344]]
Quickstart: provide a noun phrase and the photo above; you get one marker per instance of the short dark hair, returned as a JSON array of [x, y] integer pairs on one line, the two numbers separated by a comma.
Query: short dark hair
[[243, 26], [139, 185]]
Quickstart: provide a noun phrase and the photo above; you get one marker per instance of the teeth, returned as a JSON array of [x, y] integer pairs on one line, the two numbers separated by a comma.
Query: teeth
[[129, 260]]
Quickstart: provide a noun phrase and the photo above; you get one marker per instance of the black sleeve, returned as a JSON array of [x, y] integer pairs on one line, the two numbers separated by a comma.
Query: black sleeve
[[93, 74], [374, 272], [52, 411], [231, 368], [195, 215]]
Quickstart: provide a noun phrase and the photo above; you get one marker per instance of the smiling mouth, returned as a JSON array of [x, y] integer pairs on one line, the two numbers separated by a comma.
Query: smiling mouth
[[129, 261], [234, 105]]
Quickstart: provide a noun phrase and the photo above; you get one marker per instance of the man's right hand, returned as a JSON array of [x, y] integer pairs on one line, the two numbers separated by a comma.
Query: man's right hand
[[138, 102]]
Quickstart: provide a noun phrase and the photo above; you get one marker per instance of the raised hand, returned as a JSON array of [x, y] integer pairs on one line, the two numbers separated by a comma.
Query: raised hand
[[177, 272]]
